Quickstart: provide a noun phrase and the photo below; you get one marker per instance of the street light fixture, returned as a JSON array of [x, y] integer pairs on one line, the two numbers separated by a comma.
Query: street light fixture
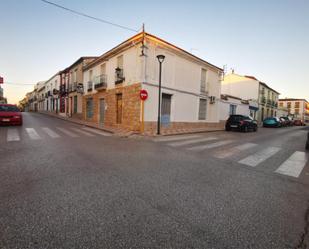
[[160, 59]]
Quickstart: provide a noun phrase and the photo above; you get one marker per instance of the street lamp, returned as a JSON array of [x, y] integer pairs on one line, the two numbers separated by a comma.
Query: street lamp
[[160, 59]]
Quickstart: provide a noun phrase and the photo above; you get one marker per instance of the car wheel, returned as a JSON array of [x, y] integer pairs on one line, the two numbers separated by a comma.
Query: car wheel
[[227, 128], [255, 129], [245, 129]]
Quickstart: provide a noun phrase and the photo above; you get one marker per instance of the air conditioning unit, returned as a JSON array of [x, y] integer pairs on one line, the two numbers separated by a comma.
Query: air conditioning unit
[[212, 99]]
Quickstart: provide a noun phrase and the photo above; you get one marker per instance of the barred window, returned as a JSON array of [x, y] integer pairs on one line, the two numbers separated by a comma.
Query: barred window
[[202, 109]]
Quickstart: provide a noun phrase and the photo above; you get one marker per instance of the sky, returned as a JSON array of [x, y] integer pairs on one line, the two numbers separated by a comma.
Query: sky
[[268, 39]]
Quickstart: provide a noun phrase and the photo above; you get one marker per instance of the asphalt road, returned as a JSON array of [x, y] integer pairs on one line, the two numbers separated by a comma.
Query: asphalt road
[[64, 186]]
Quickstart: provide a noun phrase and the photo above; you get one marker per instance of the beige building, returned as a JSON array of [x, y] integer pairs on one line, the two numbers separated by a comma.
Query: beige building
[[190, 87], [75, 86], [249, 88], [298, 108]]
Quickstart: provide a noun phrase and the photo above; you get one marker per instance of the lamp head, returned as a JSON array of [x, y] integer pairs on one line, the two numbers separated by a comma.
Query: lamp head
[[161, 58]]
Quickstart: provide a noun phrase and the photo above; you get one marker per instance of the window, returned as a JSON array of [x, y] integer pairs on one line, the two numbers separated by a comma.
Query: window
[[297, 104], [120, 61], [202, 109], [75, 76], [89, 108], [296, 111], [281, 104], [289, 105], [203, 80], [103, 68], [233, 109]]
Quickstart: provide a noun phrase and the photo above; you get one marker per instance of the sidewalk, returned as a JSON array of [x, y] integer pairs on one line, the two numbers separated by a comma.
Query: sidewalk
[[118, 132], [126, 133]]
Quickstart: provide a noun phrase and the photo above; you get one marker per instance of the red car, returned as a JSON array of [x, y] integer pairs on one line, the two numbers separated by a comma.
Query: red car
[[10, 115], [298, 122]]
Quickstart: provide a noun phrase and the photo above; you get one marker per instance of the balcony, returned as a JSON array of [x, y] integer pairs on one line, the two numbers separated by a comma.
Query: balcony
[[263, 100], [269, 102], [89, 86], [119, 76], [72, 87], [100, 82]]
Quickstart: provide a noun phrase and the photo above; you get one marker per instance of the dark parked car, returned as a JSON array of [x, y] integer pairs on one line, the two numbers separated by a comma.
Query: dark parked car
[[241, 123], [10, 115], [298, 122], [288, 121], [272, 122]]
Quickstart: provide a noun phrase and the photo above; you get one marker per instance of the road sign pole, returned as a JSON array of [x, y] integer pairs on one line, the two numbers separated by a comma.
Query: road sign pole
[[143, 109]]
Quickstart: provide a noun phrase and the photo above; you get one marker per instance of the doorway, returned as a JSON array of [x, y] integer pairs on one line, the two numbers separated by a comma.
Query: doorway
[[101, 111], [119, 108], [166, 108]]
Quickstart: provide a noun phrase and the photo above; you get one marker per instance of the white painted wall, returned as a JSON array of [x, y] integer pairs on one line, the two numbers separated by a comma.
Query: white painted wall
[[181, 77], [240, 87], [242, 109]]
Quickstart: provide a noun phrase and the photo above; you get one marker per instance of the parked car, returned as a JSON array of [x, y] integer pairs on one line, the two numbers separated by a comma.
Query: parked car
[[298, 122], [288, 121], [241, 123], [283, 121], [307, 144], [10, 115], [272, 122]]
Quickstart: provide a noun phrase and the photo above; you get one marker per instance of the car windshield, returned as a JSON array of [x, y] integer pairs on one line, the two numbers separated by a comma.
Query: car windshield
[[8, 108]]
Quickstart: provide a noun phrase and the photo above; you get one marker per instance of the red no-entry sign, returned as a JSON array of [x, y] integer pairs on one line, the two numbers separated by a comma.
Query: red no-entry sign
[[143, 94]]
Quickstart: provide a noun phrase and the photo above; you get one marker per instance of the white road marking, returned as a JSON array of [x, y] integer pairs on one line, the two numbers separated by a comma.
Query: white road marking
[[83, 132], [67, 132], [192, 141], [33, 134], [210, 146], [227, 153], [260, 156], [50, 132], [294, 165], [12, 135], [175, 138], [97, 131]]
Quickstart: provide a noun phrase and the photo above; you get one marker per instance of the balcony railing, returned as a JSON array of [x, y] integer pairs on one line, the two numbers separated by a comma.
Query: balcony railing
[[100, 82], [263, 100], [72, 87], [89, 86], [269, 102], [119, 75]]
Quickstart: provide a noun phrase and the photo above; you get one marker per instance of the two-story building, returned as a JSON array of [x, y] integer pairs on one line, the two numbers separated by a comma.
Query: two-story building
[[190, 87], [75, 87], [52, 87], [41, 96], [298, 108], [253, 90]]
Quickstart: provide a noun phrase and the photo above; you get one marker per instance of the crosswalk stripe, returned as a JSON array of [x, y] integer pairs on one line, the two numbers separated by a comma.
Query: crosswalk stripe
[[175, 138], [50, 132], [192, 141], [33, 134], [97, 131], [234, 150], [83, 132], [259, 156], [294, 165], [12, 135], [210, 146], [67, 132]]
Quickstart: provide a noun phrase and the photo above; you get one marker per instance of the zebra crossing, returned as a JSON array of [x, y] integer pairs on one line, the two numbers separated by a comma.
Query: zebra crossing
[[246, 153], [16, 134]]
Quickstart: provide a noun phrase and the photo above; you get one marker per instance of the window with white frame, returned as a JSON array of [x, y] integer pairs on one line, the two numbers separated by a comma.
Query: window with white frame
[[202, 109], [203, 80]]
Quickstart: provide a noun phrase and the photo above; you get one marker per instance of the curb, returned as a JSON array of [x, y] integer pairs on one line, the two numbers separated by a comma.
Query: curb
[[76, 122]]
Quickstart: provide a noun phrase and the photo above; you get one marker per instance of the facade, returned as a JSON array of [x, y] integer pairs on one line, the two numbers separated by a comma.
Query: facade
[[112, 83], [253, 90], [231, 105], [75, 87], [41, 96], [63, 92], [51, 93], [298, 108]]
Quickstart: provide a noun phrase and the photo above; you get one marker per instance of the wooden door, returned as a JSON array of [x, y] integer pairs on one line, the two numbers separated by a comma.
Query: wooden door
[[119, 108]]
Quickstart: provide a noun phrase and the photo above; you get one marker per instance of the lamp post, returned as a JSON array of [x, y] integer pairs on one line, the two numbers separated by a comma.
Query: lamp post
[[160, 59]]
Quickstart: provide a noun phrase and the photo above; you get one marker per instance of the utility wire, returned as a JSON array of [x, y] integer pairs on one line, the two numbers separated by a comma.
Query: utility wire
[[88, 16]]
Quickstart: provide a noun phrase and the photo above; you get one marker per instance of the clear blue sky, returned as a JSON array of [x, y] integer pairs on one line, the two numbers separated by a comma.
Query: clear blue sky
[[267, 39]]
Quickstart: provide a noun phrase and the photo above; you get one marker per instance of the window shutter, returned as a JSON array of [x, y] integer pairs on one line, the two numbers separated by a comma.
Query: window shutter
[[202, 109]]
